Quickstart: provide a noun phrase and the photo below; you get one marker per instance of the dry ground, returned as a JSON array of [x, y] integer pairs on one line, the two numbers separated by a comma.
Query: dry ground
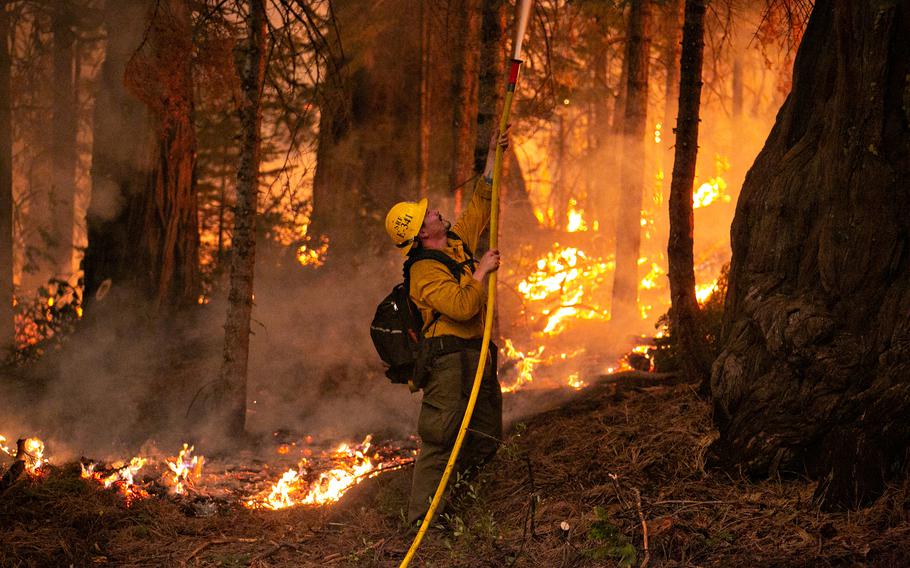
[[622, 455]]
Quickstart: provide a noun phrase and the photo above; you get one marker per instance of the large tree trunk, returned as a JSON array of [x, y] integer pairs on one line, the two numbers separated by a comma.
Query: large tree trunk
[[685, 316], [368, 131], [240, 297], [814, 371], [465, 80], [628, 219], [6, 187], [143, 227], [63, 143]]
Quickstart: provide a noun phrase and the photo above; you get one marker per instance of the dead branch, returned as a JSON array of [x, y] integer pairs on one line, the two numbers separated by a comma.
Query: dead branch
[[644, 528]]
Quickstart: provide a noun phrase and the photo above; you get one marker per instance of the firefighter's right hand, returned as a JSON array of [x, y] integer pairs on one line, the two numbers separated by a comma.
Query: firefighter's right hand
[[488, 263]]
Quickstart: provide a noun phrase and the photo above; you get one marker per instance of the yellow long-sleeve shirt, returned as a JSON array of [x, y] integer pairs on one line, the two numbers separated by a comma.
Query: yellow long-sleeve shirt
[[434, 288]]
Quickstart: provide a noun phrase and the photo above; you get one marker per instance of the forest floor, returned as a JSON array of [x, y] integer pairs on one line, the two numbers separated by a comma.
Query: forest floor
[[574, 486]]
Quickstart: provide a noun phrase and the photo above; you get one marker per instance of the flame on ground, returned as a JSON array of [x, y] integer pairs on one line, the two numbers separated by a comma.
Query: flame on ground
[[352, 464], [186, 469], [121, 478]]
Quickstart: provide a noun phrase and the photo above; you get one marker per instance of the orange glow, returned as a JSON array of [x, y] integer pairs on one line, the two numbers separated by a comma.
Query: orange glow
[[298, 486], [186, 469]]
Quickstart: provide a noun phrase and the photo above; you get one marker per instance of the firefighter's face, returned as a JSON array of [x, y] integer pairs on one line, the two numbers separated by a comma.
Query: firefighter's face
[[434, 224]]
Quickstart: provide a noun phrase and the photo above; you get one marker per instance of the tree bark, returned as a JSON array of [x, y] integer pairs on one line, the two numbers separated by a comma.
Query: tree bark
[[423, 138], [240, 297], [628, 221], [813, 376], [369, 128], [491, 83], [685, 316], [143, 227], [7, 332], [465, 87], [63, 144]]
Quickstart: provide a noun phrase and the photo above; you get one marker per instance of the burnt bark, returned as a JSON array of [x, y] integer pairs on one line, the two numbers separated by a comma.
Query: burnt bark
[[465, 86], [369, 127], [491, 81], [813, 376], [243, 259], [685, 316], [142, 221], [63, 143], [628, 216], [7, 331], [423, 138]]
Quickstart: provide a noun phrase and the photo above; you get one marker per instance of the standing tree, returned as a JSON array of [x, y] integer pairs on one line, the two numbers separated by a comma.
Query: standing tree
[[142, 221], [232, 384], [366, 157], [813, 376], [63, 143], [685, 320], [465, 84], [6, 186], [628, 216]]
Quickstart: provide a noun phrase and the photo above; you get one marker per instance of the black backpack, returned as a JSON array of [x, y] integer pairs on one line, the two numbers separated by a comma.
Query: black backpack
[[397, 327]]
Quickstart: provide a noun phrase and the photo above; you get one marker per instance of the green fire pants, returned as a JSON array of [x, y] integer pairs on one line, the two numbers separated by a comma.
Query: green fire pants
[[445, 398]]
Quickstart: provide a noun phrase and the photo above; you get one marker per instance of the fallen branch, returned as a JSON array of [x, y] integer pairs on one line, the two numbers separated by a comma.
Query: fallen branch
[[644, 529]]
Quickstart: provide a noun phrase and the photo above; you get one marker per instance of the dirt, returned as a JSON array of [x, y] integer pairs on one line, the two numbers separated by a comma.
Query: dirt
[[573, 486]]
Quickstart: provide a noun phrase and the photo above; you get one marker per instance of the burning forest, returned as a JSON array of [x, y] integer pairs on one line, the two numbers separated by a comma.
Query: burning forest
[[646, 288]]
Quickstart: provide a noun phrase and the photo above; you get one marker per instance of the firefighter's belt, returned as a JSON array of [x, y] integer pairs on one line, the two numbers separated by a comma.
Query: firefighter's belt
[[443, 344]]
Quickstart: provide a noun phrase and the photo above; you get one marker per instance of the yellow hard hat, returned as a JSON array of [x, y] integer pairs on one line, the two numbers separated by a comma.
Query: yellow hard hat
[[403, 222]]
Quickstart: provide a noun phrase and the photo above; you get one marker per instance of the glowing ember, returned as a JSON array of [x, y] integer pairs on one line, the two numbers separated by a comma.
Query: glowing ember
[[186, 468], [307, 256], [122, 478], [576, 218]]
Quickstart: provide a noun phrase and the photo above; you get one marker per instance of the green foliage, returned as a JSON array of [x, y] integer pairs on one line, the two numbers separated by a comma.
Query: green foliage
[[611, 542], [666, 353]]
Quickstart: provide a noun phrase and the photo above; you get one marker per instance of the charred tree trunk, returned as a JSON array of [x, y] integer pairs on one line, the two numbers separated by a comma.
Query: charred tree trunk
[[813, 376], [423, 138], [143, 228], [7, 332], [628, 220], [243, 258], [465, 79], [369, 127], [63, 144], [674, 31], [685, 316], [491, 84]]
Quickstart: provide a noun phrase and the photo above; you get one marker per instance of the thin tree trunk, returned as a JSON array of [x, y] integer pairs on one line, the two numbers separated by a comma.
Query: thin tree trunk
[[492, 77], [240, 296], [628, 221], [7, 331], [671, 56], [685, 317], [465, 77], [63, 145], [423, 139]]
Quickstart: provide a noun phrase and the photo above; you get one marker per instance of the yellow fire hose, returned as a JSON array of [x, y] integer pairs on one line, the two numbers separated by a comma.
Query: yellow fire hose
[[491, 291]]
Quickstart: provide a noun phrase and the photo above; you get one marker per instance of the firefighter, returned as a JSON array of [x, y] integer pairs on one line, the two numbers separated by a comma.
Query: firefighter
[[453, 315]]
